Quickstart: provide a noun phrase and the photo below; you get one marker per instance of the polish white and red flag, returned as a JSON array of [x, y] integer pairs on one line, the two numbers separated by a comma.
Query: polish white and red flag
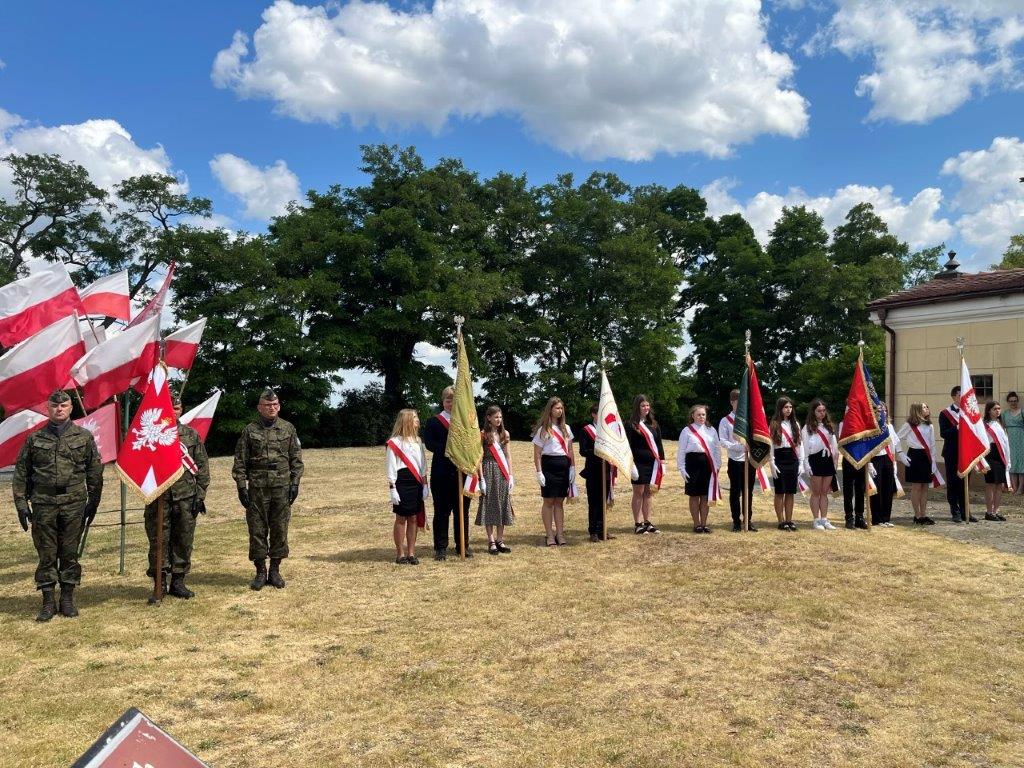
[[103, 424], [32, 303], [32, 369], [156, 304], [109, 297], [150, 456], [113, 366], [14, 431], [971, 438], [201, 417], [180, 347]]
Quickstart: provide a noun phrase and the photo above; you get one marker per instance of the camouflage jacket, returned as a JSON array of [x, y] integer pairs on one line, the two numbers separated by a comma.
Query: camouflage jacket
[[189, 485], [58, 469], [268, 457]]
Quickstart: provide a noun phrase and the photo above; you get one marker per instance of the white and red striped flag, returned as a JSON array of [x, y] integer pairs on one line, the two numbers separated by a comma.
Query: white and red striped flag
[[14, 431], [971, 438], [32, 303], [150, 456], [156, 304], [201, 417], [108, 296], [31, 370], [180, 347], [103, 424], [111, 367]]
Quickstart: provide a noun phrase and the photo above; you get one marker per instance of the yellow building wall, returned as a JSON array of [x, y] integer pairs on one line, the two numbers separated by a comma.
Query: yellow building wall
[[927, 362]]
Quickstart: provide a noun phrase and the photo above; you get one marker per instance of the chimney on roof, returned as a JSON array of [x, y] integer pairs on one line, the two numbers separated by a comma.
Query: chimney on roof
[[952, 268]]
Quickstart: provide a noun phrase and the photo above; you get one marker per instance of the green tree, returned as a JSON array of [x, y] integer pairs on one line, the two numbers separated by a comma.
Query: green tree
[[921, 266], [1013, 256]]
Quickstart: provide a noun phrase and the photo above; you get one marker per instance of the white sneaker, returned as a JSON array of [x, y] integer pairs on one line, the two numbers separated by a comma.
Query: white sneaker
[[817, 524], [827, 525]]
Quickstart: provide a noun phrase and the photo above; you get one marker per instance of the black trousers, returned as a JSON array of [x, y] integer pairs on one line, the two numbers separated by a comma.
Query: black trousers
[[445, 491], [885, 482], [735, 470], [954, 486], [853, 491], [595, 506]]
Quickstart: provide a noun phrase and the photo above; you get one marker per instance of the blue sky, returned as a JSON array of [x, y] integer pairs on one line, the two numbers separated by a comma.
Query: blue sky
[[913, 106]]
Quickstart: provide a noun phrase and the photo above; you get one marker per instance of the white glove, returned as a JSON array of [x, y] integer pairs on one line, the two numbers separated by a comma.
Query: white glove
[[511, 483], [805, 468], [872, 471], [905, 459], [572, 473], [483, 486], [540, 479], [685, 475], [426, 491], [633, 474], [395, 498], [775, 471]]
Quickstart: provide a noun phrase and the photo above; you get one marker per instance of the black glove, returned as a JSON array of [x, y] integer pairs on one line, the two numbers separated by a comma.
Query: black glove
[[293, 493], [24, 517], [198, 506], [243, 497], [89, 513]]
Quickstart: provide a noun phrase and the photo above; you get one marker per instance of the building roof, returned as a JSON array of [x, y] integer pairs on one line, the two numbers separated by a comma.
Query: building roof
[[953, 286]]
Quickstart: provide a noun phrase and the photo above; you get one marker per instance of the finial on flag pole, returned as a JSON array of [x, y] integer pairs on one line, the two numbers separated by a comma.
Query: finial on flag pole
[[960, 341], [459, 320], [746, 342], [602, 357]]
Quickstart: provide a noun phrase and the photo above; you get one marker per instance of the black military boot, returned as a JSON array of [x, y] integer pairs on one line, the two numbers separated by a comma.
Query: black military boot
[[178, 588], [152, 596], [67, 600], [49, 609], [274, 579], [260, 580]]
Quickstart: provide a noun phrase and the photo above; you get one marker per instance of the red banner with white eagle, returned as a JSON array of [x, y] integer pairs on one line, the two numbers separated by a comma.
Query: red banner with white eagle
[[150, 456]]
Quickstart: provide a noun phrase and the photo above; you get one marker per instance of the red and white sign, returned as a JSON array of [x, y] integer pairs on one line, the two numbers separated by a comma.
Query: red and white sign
[[14, 431], [32, 303], [201, 417], [111, 367], [135, 741], [108, 296], [150, 456], [971, 438], [156, 304], [180, 347], [34, 368], [103, 425]]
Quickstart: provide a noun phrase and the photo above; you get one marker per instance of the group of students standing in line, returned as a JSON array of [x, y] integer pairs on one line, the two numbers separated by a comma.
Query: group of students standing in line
[[797, 452]]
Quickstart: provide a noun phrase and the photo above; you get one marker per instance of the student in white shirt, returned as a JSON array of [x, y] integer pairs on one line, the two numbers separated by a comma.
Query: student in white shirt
[[555, 464], [918, 455], [406, 470], [785, 434], [820, 454], [999, 461], [737, 453], [699, 459]]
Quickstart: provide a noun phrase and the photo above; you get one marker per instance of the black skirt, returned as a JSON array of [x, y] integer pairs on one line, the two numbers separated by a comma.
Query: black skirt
[[821, 466], [789, 469], [644, 468], [996, 474], [410, 492], [920, 469], [556, 477], [699, 468]]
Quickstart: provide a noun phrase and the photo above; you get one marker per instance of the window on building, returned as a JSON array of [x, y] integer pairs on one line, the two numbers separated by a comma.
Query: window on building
[[982, 387]]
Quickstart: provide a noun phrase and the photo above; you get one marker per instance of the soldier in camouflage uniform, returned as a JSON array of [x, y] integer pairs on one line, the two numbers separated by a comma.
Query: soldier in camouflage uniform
[[267, 470], [58, 479], [183, 501]]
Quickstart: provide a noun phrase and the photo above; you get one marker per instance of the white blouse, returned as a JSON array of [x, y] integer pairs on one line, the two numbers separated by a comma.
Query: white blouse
[[549, 445], [727, 437], [907, 438], [688, 443], [413, 448], [812, 442]]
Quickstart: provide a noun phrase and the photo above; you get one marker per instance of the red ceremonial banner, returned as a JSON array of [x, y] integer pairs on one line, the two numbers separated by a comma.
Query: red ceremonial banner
[[103, 425], [150, 456]]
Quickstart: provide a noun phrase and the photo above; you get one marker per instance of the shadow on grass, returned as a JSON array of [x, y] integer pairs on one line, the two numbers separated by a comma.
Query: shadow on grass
[[363, 555]]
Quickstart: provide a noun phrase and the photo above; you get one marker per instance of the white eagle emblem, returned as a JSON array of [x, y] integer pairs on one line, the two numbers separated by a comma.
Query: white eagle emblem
[[151, 432]]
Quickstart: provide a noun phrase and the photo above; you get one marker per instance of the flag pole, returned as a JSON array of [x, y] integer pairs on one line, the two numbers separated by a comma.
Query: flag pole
[[181, 389], [604, 481], [745, 506], [459, 320], [122, 430], [158, 580], [867, 470]]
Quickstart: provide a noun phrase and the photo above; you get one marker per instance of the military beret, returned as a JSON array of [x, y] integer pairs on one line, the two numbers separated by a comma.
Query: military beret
[[269, 395], [59, 396]]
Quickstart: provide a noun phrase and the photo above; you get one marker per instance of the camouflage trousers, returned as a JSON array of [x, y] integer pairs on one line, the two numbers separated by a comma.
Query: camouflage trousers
[[179, 532], [267, 517], [56, 533]]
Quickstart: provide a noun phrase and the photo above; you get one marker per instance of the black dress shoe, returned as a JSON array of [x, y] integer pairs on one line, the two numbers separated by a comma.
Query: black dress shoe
[[440, 554], [751, 528], [861, 524], [990, 516], [783, 527], [736, 528], [973, 519]]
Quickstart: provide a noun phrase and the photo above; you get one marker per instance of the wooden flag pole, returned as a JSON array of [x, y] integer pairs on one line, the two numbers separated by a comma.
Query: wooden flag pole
[[746, 490], [184, 381], [967, 498], [604, 500], [122, 432], [960, 343], [461, 520], [867, 496], [158, 581]]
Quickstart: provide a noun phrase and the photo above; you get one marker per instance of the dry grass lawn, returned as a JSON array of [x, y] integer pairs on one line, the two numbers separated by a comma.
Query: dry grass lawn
[[889, 648]]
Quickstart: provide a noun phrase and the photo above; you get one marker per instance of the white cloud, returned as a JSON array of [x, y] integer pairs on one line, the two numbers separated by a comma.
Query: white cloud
[[916, 221], [601, 78], [103, 147], [991, 197], [929, 56], [265, 192]]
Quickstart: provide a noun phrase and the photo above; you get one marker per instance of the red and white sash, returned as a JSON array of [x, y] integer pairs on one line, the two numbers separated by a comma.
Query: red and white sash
[[657, 471], [395, 448], [1002, 442], [564, 445], [613, 471], [499, 456], [763, 478], [471, 487], [937, 479], [187, 461], [714, 491], [824, 436], [444, 420], [953, 416], [801, 484]]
